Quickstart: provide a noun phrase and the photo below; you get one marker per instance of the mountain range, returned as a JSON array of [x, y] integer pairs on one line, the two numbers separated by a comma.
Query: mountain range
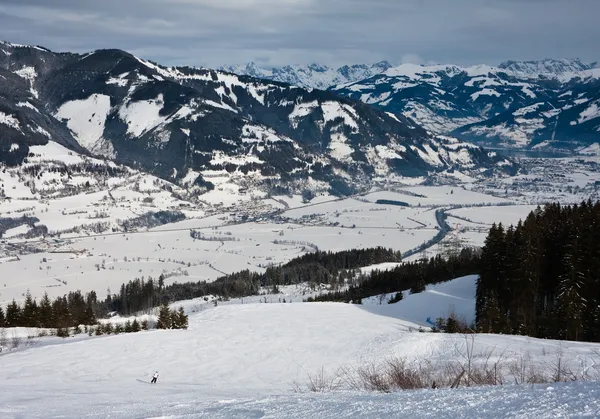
[[547, 104], [199, 126]]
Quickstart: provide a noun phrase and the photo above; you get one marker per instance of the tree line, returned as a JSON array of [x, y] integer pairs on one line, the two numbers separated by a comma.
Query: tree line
[[75, 309], [542, 277], [319, 267], [413, 276]]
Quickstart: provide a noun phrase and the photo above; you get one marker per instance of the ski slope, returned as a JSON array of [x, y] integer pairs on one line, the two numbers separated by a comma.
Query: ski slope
[[243, 360]]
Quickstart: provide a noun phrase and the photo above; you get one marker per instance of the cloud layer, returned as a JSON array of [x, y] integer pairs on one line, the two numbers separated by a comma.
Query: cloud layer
[[333, 32]]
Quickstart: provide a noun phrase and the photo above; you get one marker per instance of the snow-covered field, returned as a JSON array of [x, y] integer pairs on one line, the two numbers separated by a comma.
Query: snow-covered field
[[85, 260], [245, 360]]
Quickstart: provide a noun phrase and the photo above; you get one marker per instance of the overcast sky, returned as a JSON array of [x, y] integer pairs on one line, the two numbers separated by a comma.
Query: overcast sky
[[333, 32]]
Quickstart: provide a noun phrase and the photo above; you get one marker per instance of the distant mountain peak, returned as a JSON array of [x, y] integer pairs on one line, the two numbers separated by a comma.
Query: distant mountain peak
[[313, 75], [546, 66]]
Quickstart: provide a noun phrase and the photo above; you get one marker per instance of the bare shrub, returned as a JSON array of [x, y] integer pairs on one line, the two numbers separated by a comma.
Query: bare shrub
[[3, 338], [465, 368], [374, 379], [402, 376], [15, 340], [321, 382], [32, 338]]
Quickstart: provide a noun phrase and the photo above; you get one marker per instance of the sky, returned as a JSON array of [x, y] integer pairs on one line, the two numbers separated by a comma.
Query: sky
[[331, 32]]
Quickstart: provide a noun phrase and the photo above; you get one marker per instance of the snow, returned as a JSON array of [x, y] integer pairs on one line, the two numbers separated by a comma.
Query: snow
[[592, 150], [243, 360], [120, 80], [456, 297], [86, 118], [142, 116], [220, 157], [10, 120], [528, 109], [591, 112], [301, 110], [220, 105], [29, 74], [386, 153], [484, 92], [339, 147], [27, 105], [334, 110]]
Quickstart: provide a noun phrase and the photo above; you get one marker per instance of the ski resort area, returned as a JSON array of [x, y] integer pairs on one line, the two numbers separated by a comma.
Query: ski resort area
[[299, 209], [296, 359]]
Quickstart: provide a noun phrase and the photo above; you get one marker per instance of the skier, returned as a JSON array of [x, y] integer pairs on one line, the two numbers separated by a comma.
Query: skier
[[154, 378]]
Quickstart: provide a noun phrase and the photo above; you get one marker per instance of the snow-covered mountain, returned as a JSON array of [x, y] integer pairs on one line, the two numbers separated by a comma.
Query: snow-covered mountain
[[494, 106], [488, 105], [203, 127], [549, 67], [311, 76]]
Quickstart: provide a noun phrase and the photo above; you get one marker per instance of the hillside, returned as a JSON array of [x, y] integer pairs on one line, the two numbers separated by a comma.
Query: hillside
[[200, 127], [243, 360], [546, 104]]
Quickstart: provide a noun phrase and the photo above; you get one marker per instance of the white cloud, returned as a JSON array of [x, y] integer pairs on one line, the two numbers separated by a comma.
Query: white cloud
[[275, 32]]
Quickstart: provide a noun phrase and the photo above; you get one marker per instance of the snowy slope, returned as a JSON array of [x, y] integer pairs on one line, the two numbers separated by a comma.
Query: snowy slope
[[242, 361], [455, 297], [477, 102], [215, 130]]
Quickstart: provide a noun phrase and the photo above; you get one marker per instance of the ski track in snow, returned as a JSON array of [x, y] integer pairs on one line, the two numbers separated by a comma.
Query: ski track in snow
[[241, 360]]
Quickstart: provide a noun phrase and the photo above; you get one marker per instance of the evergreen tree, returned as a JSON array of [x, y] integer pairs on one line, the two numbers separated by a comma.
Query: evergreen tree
[[182, 319], [2, 317], [13, 315], [570, 301], [30, 312], [164, 318], [88, 316], [542, 278], [135, 326], [45, 312]]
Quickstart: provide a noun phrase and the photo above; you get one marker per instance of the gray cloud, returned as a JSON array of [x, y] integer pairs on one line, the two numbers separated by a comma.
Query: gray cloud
[[275, 32]]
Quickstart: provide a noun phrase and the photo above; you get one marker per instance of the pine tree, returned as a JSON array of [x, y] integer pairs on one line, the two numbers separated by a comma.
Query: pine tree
[[127, 327], [182, 319], [89, 317], [30, 317], [45, 312], [108, 328], [164, 317], [570, 300], [135, 326], [2, 317], [13, 315]]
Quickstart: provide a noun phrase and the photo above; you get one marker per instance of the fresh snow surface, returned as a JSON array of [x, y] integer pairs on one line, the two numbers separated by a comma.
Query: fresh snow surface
[[591, 112], [456, 297], [142, 116], [241, 360], [9, 120], [29, 74], [592, 150], [86, 118]]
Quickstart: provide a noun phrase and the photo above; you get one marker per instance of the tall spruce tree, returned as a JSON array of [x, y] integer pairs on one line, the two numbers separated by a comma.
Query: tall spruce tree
[[13, 314], [45, 312], [30, 315], [164, 318]]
